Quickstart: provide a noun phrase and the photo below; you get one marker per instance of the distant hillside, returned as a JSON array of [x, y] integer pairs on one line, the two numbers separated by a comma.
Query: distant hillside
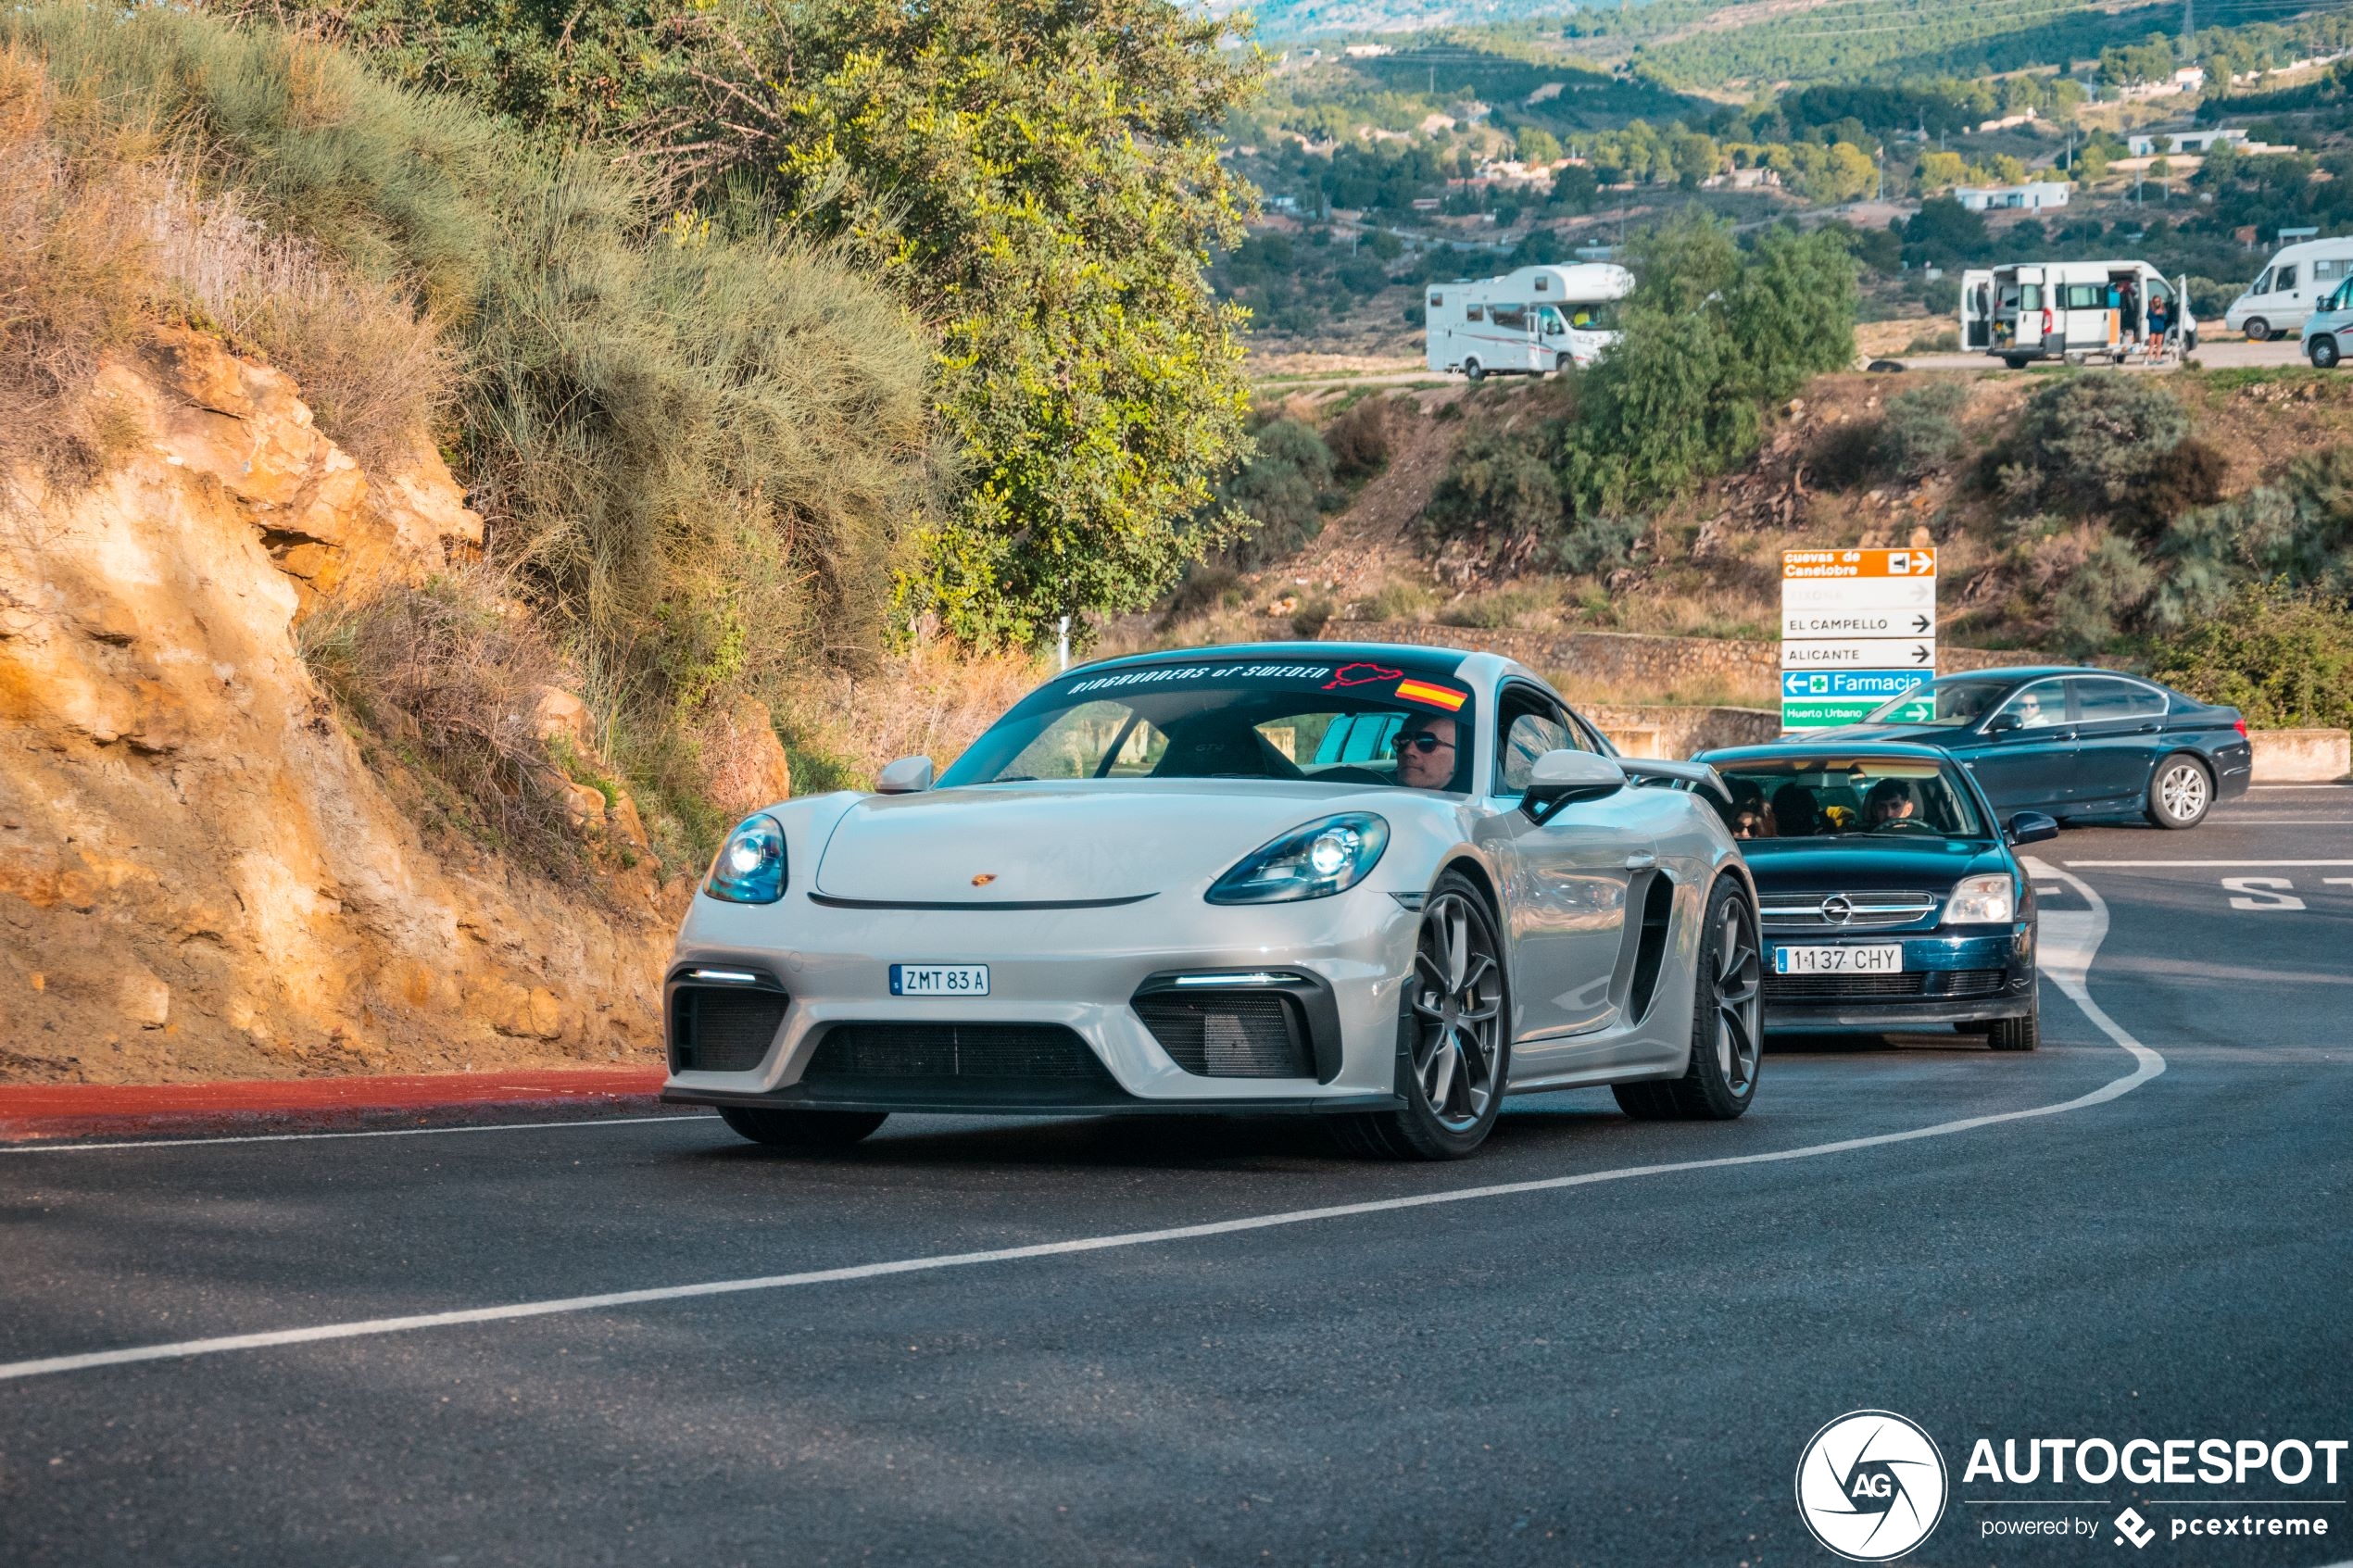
[[1299, 18]]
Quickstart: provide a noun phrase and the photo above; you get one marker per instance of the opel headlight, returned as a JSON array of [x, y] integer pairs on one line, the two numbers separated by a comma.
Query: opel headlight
[[1982, 900], [1315, 862], [751, 865]]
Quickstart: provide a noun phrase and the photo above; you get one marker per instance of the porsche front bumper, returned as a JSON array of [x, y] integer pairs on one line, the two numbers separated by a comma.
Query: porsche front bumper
[[1063, 1026]]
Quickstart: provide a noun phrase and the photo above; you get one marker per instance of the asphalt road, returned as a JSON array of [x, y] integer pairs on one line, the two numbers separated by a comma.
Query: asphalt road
[[1615, 1371]]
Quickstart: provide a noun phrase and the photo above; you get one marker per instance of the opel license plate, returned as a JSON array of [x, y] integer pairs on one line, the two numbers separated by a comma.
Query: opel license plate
[[1888, 960], [939, 979]]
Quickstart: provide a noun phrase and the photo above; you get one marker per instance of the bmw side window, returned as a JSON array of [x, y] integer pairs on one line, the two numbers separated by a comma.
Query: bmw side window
[[2099, 701], [2040, 707]]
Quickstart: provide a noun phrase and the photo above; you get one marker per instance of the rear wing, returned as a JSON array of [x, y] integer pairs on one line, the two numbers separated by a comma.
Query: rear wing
[[1697, 777]]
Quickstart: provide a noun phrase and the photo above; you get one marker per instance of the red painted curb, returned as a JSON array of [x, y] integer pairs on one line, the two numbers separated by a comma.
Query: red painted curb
[[66, 1111]]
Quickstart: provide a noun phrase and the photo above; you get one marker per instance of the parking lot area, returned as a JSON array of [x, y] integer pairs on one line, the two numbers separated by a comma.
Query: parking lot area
[[1102, 1340]]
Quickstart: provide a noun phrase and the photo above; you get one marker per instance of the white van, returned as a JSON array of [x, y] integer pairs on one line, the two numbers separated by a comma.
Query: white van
[[1526, 322], [2074, 310], [2299, 277]]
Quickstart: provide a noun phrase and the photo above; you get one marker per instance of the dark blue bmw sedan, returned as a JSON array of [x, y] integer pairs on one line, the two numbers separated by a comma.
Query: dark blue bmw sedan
[[1889, 895], [2074, 743]]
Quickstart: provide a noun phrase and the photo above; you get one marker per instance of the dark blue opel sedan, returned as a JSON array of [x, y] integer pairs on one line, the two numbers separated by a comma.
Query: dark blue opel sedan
[[2074, 743], [1890, 898]]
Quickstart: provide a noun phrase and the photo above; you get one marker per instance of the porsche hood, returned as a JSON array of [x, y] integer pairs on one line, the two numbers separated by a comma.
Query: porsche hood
[[1100, 842]]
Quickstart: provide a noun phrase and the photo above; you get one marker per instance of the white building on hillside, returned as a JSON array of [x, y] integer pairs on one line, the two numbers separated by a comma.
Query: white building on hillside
[[2032, 196], [2149, 142]]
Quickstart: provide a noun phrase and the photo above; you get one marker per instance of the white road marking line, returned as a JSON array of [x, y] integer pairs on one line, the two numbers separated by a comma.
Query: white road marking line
[[372, 1132], [2067, 942], [2143, 865]]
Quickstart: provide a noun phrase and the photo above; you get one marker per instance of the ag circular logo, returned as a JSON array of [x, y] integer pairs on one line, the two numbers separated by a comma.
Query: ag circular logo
[[1870, 1486]]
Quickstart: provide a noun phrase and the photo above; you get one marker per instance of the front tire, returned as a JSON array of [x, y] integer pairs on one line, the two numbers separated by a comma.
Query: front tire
[[2322, 353], [1454, 1046], [2014, 361], [1727, 1023], [2257, 330], [2181, 793], [809, 1132], [2017, 1034], [1473, 370]]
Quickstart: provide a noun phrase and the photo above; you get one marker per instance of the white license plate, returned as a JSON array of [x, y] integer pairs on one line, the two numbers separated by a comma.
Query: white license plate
[[939, 979], [1839, 960]]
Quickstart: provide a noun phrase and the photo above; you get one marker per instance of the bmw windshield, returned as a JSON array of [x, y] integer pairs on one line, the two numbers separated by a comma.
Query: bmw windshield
[[1358, 723], [1947, 703], [1849, 797]]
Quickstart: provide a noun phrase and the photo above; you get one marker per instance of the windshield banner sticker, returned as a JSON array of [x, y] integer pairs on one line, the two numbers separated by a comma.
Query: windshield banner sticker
[[1436, 697]]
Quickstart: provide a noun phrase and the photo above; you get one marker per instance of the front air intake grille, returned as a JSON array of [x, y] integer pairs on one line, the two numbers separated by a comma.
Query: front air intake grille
[[961, 1051], [1229, 1034], [715, 1029], [1941, 983]]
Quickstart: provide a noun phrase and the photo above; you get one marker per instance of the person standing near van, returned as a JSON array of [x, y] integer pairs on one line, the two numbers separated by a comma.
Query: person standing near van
[[2157, 323], [2131, 306]]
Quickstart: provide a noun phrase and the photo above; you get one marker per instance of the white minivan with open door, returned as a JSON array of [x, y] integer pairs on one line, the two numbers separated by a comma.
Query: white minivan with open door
[[2291, 287], [2075, 310]]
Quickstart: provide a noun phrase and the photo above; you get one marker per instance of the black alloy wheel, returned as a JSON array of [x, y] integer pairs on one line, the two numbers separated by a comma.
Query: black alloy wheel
[[1454, 1043]]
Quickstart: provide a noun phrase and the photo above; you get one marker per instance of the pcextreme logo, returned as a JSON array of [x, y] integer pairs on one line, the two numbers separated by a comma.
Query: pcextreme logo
[[1870, 1486]]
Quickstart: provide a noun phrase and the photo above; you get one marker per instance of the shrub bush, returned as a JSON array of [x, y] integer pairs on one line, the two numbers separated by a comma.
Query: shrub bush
[[447, 679], [1282, 488], [2282, 657], [1361, 438], [2089, 443], [1920, 430], [1497, 504]]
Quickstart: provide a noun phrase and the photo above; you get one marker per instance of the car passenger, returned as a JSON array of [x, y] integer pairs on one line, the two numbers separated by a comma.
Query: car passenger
[[1889, 800], [1426, 752], [1793, 813], [1749, 818]]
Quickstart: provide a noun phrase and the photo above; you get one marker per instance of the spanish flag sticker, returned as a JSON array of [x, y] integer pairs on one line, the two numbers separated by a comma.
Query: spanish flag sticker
[[1436, 697]]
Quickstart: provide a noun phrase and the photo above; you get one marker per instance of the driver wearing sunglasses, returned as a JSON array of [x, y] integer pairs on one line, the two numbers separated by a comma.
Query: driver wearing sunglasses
[[1426, 752]]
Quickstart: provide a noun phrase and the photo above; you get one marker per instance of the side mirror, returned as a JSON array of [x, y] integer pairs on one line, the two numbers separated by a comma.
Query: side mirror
[[1562, 778], [2004, 722], [2031, 827], [908, 775]]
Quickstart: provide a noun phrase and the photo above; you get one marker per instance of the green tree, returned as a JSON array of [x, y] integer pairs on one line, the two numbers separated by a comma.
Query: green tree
[[2282, 657], [1040, 178], [1711, 337], [1537, 144]]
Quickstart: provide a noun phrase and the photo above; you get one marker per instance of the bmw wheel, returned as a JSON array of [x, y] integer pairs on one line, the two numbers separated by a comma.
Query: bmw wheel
[[2321, 351], [2180, 791], [805, 1130], [1453, 1045], [1727, 1023]]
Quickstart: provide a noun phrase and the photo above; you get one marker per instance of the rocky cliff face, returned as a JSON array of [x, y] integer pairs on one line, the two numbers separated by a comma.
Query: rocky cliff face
[[198, 875]]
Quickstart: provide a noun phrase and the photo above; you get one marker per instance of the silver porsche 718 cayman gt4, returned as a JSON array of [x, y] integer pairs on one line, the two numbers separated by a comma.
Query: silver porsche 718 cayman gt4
[[1391, 884]]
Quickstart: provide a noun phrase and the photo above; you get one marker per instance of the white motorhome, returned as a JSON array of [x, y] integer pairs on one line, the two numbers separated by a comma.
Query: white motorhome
[[2074, 310], [2291, 288], [1526, 322]]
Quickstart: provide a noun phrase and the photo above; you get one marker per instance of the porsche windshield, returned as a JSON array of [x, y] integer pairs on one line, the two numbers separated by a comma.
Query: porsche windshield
[[1820, 798], [1355, 722]]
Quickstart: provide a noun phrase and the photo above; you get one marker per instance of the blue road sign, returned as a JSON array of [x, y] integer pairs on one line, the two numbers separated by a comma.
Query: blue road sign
[[1880, 684]]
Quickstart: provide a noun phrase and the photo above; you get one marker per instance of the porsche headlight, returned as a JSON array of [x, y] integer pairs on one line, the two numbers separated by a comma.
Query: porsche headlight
[[1982, 900], [750, 866], [1315, 862]]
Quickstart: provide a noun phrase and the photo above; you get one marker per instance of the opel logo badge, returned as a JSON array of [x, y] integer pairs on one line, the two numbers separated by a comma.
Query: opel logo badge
[[1837, 910]]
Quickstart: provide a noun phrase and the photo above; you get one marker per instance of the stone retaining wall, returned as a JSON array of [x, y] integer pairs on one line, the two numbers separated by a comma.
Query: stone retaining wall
[[2302, 756]]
